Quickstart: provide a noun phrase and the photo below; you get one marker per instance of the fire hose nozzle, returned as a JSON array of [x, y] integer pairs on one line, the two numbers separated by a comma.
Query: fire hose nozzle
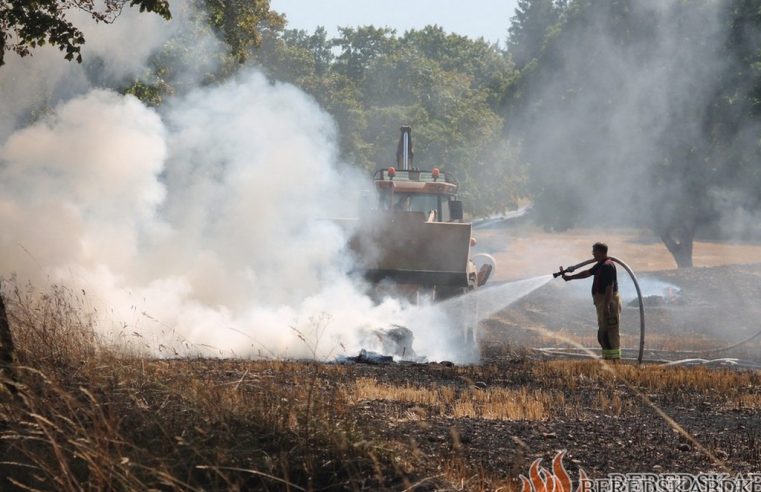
[[562, 270]]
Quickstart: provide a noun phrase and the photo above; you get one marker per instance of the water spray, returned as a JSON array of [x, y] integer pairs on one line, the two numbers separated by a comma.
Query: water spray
[[573, 268]]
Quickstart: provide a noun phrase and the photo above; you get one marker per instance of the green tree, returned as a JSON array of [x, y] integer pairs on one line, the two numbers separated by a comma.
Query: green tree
[[359, 47], [489, 69], [644, 113], [27, 24], [243, 27], [242, 24], [447, 86], [529, 28], [298, 57]]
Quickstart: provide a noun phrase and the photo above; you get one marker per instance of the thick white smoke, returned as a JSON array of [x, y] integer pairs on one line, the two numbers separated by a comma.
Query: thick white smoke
[[210, 220], [113, 52], [78, 187], [198, 228]]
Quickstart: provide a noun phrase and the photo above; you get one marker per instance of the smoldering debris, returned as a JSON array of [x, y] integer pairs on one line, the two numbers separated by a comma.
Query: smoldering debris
[[397, 341], [365, 357]]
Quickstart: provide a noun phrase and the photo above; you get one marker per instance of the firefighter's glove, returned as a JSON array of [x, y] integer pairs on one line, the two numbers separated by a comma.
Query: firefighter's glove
[[566, 277]]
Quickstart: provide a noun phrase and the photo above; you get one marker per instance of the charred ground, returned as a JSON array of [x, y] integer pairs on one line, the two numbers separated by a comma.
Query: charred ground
[[88, 417]]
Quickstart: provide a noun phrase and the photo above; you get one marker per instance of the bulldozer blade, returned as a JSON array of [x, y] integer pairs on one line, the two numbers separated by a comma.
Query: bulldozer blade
[[404, 248]]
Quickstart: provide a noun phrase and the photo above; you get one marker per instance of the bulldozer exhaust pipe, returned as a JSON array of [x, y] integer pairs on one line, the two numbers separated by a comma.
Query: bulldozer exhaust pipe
[[404, 152]]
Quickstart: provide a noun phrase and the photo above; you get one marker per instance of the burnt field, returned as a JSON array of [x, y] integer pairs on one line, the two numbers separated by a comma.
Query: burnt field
[[706, 313], [89, 418]]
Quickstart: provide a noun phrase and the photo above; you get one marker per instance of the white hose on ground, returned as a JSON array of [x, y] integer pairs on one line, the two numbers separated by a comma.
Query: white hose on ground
[[681, 352], [726, 361]]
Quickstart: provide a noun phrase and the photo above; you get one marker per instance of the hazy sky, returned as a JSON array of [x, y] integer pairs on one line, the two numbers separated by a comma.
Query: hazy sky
[[477, 18]]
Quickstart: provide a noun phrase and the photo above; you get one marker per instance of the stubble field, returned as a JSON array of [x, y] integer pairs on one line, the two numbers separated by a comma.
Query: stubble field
[[86, 417]]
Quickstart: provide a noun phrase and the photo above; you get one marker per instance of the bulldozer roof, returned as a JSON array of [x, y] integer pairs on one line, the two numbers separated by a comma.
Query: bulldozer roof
[[416, 181]]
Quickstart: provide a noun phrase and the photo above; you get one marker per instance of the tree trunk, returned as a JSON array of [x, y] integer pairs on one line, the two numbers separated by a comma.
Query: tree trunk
[[7, 351], [679, 241]]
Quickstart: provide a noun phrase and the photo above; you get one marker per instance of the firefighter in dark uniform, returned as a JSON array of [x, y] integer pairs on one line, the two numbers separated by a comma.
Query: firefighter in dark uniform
[[606, 299]]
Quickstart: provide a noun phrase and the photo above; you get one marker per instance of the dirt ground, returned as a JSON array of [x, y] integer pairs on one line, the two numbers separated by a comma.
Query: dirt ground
[[608, 420], [617, 425], [687, 311], [528, 251], [301, 425]]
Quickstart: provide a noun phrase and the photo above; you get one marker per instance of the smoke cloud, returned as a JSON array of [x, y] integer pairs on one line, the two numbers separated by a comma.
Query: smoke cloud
[[202, 218], [201, 227], [30, 84], [638, 114], [624, 117]]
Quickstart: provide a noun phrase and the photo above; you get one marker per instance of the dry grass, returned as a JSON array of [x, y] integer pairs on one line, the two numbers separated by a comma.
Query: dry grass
[[570, 388], [737, 388], [488, 403], [747, 401], [89, 418], [611, 405], [508, 404], [651, 377]]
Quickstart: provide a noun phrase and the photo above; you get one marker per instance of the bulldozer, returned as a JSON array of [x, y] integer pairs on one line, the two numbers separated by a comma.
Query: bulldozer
[[415, 238]]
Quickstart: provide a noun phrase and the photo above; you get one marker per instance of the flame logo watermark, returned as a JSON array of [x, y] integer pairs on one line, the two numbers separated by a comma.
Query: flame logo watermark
[[542, 480], [558, 480]]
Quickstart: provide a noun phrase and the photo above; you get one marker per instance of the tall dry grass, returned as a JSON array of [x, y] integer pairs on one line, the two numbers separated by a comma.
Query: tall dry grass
[[88, 417]]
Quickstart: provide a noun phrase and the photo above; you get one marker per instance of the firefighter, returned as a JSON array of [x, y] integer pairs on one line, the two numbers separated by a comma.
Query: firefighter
[[606, 300]]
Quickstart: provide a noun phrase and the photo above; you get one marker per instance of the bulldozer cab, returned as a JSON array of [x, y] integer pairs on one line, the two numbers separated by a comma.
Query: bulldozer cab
[[432, 193], [412, 242], [415, 235]]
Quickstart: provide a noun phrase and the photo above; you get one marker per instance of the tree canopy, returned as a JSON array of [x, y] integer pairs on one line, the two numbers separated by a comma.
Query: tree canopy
[[448, 87], [27, 24], [642, 113], [600, 111]]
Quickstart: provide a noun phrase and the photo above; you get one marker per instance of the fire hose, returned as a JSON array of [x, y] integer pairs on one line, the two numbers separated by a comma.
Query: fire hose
[[639, 296]]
